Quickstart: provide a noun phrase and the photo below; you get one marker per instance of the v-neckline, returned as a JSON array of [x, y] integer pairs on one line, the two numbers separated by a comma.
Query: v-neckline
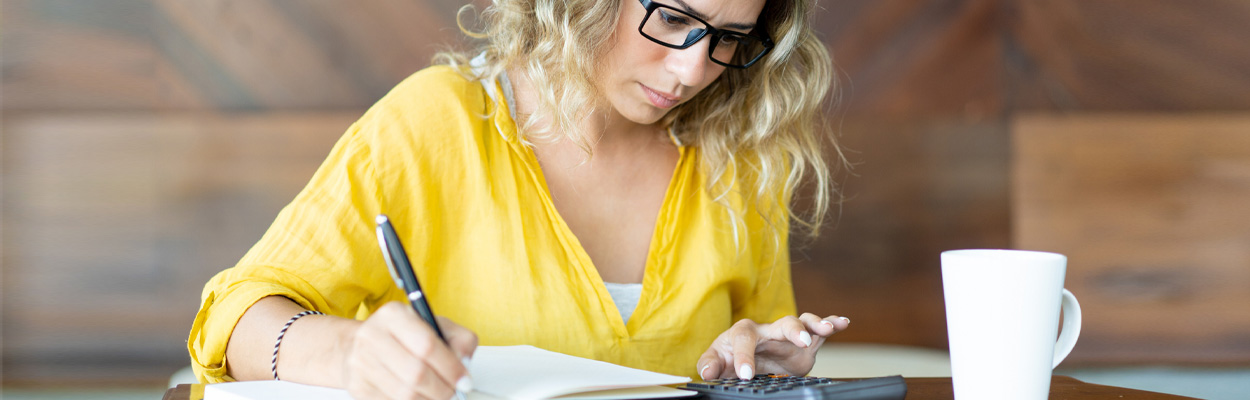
[[651, 278], [651, 269]]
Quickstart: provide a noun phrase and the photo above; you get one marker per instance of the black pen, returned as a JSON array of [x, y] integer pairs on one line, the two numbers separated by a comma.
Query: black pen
[[401, 270]]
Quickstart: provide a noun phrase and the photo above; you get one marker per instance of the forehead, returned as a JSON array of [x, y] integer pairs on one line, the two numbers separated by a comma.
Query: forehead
[[723, 12]]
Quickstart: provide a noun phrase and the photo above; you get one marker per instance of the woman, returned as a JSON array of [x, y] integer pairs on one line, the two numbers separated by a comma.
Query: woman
[[608, 179]]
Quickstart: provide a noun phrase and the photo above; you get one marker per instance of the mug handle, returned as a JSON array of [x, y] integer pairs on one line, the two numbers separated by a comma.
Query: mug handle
[[1071, 327]]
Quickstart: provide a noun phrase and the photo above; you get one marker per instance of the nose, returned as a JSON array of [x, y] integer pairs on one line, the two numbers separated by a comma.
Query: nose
[[690, 64]]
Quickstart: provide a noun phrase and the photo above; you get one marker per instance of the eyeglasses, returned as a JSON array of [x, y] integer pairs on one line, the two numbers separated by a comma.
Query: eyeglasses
[[678, 29]]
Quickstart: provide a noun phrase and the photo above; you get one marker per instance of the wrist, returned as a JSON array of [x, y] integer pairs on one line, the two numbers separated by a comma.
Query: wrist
[[341, 349], [277, 345], [313, 349]]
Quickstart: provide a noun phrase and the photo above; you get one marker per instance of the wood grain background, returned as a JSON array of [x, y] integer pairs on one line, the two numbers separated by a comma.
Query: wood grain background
[[148, 143], [1153, 213]]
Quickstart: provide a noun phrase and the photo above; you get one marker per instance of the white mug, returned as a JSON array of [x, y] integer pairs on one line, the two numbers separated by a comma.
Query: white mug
[[1002, 309]]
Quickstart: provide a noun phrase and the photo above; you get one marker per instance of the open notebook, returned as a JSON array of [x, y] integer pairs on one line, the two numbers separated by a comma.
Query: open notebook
[[502, 372]]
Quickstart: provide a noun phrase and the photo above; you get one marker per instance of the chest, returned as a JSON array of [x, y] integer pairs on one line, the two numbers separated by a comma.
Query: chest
[[611, 204]]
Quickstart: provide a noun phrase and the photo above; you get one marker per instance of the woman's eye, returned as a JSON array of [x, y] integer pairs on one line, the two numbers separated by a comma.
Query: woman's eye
[[673, 19], [729, 40]]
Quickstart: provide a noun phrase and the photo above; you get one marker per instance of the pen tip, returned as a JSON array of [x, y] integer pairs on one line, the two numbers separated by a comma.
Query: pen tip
[[381, 218]]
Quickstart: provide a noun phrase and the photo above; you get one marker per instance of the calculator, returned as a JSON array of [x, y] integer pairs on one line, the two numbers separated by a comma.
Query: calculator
[[786, 387]]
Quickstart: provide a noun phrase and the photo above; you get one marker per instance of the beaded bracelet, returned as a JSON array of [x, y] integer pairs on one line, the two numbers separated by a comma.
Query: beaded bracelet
[[274, 361]]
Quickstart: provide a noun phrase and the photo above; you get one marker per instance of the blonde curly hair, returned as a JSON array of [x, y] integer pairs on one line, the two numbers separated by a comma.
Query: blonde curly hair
[[761, 128]]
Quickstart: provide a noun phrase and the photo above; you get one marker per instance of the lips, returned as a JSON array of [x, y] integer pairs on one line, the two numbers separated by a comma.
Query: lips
[[658, 99]]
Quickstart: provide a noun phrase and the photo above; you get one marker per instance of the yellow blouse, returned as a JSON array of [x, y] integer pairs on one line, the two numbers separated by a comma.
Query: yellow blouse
[[473, 210]]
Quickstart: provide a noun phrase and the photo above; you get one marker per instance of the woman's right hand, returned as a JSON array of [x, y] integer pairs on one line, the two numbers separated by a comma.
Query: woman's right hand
[[396, 355]]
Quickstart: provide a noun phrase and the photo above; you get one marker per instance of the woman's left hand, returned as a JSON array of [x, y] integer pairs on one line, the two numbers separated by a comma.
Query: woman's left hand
[[787, 346]]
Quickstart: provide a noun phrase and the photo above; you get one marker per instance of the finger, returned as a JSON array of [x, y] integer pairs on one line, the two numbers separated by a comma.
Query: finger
[[463, 341], [788, 329], [430, 385], [400, 374], [368, 389], [360, 385], [408, 386], [838, 324], [742, 338], [710, 365], [816, 325], [727, 363], [420, 340]]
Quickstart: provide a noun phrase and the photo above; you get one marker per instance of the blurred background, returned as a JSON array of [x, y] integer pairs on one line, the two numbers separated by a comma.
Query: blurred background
[[147, 144]]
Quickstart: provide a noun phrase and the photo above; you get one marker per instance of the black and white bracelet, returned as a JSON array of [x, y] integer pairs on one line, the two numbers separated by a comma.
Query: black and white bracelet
[[274, 362]]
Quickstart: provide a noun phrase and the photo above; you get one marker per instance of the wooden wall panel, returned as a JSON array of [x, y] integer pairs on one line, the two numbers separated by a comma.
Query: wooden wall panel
[[216, 54], [922, 121], [937, 58], [1128, 55], [113, 223], [1153, 212], [917, 59], [919, 188]]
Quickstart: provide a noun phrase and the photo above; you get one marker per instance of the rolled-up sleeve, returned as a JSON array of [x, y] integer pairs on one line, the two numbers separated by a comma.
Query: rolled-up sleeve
[[319, 252]]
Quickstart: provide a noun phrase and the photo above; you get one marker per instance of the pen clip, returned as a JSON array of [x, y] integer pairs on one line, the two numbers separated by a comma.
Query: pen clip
[[386, 252]]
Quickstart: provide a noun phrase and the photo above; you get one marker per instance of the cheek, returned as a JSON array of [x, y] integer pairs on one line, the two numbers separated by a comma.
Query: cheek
[[638, 50], [633, 58], [710, 77], [714, 73]]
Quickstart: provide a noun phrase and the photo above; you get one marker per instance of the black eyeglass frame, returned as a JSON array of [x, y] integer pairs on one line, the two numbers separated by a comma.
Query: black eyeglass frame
[[717, 34]]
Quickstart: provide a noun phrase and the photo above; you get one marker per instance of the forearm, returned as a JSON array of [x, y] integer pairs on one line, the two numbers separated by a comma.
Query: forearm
[[314, 348]]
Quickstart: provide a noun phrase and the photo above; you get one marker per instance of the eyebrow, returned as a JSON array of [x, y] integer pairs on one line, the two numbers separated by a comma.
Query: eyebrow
[[736, 25]]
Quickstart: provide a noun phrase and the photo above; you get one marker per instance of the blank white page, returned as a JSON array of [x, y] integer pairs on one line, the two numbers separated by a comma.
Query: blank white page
[[500, 372], [271, 390], [531, 373]]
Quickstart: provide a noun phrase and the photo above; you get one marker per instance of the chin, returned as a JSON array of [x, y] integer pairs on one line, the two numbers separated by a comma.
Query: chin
[[647, 119], [639, 110], [646, 114], [651, 117]]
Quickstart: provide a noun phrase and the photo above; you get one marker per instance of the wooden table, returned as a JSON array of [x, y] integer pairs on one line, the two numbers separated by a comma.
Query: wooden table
[[1061, 388]]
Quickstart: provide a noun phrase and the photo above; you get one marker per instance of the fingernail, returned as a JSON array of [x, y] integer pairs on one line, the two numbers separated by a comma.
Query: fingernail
[[826, 322], [465, 361], [701, 376], [744, 372], [848, 320], [806, 338], [464, 385]]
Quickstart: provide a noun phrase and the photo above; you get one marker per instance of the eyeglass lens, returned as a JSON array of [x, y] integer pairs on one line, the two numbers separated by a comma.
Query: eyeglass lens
[[676, 28]]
